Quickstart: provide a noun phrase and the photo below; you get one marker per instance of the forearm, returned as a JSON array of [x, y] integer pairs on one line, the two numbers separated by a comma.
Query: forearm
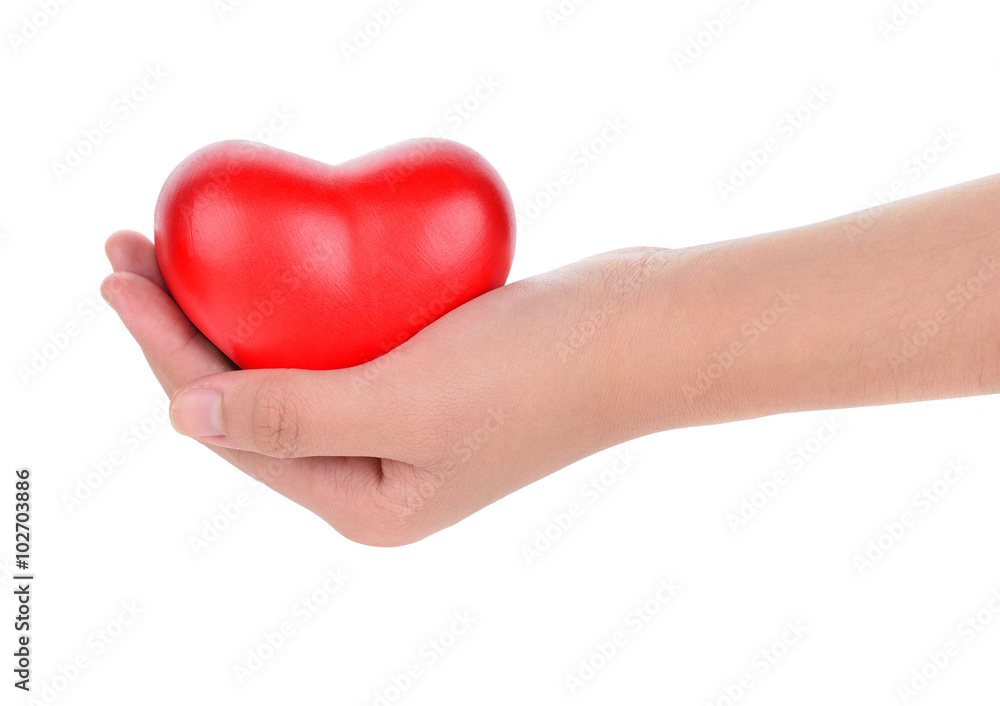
[[531, 377], [901, 307]]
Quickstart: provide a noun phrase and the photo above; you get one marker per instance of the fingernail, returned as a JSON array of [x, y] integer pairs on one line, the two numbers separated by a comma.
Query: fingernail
[[197, 412], [106, 289]]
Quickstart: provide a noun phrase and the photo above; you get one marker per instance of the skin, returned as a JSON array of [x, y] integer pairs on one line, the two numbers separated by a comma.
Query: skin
[[895, 305]]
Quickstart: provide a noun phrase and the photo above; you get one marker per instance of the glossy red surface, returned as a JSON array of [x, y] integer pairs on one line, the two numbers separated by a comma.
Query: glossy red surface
[[285, 262]]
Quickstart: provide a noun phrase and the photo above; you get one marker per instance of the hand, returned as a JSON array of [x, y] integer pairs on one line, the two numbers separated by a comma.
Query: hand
[[494, 395], [866, 309]]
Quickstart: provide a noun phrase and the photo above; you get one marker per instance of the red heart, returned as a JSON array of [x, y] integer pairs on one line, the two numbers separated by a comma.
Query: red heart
[[285, 262]]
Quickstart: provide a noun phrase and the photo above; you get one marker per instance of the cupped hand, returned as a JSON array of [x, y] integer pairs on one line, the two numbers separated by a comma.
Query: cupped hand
[[494, 395]]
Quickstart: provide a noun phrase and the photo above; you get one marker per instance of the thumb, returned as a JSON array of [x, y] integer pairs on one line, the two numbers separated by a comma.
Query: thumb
[[288, 413]]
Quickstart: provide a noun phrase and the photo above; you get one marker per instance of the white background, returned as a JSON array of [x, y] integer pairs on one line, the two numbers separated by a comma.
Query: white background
[[226, 74]]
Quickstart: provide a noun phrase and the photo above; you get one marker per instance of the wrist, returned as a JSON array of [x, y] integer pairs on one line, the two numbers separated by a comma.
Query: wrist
[[718, 324]]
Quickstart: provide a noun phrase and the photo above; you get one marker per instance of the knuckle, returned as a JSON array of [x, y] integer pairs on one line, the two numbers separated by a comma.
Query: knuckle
[[277, 420]]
